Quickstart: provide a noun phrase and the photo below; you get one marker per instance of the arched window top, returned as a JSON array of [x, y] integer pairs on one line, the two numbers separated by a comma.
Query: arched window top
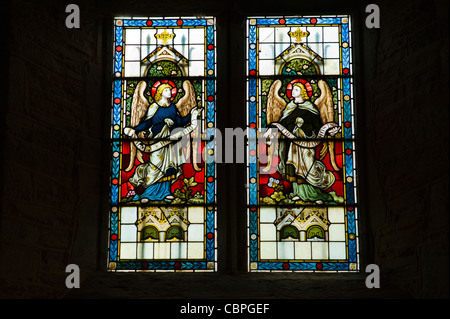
[[289, 232], [315, 232], [149, 232], [164, 68], [300, 65], [175, 233]]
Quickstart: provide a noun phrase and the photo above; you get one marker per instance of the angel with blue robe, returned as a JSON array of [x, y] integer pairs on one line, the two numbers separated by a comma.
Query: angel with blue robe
[[157, 123]]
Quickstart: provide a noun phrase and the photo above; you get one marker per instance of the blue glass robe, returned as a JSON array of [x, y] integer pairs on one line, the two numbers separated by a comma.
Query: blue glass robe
[[158, 190]]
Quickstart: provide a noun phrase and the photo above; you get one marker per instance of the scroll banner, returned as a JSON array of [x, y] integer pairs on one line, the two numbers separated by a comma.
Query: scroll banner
[[307, 144], [160, 144]]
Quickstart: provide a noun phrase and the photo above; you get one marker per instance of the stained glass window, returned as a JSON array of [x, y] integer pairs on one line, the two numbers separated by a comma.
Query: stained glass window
[[302, 208], [162, 198]]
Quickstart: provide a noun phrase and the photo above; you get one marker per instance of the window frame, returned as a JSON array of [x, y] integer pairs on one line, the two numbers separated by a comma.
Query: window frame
[[208, 80], [232, 240], [345, 78]]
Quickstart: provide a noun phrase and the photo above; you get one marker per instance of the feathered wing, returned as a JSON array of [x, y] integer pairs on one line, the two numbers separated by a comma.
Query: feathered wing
[[139, 107], [275, 103], [325, 102], [325, 105], [274, 108], [188, 101], [184, 106]]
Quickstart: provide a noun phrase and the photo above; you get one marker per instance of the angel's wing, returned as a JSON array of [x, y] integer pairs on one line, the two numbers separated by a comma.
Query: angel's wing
[[274, 108], [184, 106], [139, 107], [275, 103], [325, 102], [188, 101], [325, 105]]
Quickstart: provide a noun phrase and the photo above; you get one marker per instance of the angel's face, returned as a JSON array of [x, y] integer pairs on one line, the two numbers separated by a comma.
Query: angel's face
[[167, 93], [296, 92]]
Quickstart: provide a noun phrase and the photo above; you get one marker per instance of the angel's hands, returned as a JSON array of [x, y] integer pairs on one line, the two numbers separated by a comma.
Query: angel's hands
[[269, 133], [196, 111], [169, 122], [334, 131], [129, 132]]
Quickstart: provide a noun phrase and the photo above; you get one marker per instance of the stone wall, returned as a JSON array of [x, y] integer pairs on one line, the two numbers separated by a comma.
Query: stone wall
[[55, 145], [405, 127], [53, 138]]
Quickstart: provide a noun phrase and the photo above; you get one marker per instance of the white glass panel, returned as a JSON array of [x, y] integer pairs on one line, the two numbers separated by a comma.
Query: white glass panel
[[183, 49], [331, 66], [178, 250], [128, 251], [148, 36], [266, 35], [132, 52], [162, 250], [266, 67], [267, 51], [302, 250], [196, 68], [145, 250], [196, 215], [331, 34], [181, 36], [268, 250], [337, 250], [336, 232], [195, 232], [282, 34], [132, 36], [128, 233], [128, 215], [315, 34], [196, 36], [286, 250], [196, 52], [331, 50], [319, 250], [132, 68], [336, 214], [195, 250], [268, 232], [267, 214]]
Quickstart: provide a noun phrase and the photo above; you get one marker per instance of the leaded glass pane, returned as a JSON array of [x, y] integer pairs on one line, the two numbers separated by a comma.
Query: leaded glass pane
[[163, 204], [302, 208]]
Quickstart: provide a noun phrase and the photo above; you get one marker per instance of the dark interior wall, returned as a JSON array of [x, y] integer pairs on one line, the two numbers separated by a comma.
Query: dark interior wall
[[405, 144], [54, 197], [53, 141]]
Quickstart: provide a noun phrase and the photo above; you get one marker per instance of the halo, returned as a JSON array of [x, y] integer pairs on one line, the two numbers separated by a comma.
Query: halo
[[158, 83], [306, 83]]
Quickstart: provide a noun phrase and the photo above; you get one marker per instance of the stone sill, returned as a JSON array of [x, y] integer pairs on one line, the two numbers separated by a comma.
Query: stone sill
[[231, 286]]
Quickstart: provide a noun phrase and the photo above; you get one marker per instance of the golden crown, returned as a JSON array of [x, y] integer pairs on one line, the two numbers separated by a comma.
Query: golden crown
[[298, 35], [165, 36]]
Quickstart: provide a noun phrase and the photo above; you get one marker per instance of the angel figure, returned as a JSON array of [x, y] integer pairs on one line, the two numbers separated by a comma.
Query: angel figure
[[301, 126], [153, 130]]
